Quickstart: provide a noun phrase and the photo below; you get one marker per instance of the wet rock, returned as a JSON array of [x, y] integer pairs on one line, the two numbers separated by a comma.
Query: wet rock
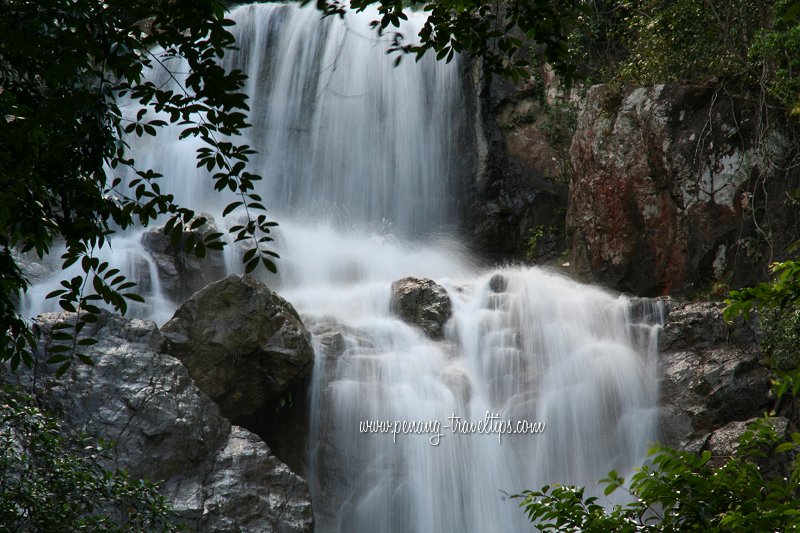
[[724, 443], [711, 374], [422, 302], [244, 346], [218, 477], [662, 197], [517, 209], [182, 274], [498, 283], [245, 466]]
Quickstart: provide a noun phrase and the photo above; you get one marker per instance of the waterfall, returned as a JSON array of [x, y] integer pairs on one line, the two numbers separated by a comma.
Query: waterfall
[[367, 167]]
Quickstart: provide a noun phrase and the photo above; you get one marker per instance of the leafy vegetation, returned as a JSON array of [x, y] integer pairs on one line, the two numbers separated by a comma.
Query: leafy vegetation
[[780, 338], [52, 482], [684, 491], [782, 292], [63, 65], [749, 43]]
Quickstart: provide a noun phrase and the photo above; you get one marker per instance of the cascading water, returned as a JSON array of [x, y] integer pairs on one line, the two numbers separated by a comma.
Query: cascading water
[[366, 169]]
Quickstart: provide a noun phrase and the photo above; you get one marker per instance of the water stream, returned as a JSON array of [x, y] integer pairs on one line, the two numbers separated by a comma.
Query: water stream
[[366, 167]]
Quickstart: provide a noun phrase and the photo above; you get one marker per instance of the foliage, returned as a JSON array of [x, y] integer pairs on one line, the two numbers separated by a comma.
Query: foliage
[[783, 291], [53, 482], [63, 65], [778, 304], [777, 48], [690, 39], [780, 338], [683, 491], [598, 41], [751, 43], [540, 238], [500, 34]]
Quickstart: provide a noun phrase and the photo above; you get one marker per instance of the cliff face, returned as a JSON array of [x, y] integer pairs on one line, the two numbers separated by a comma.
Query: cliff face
[[516, 212], [673, 189]]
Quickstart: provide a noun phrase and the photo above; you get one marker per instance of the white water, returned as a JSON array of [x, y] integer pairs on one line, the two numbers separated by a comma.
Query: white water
[[366, 167]]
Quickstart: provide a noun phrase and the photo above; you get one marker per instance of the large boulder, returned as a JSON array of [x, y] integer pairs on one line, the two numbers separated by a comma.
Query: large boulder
[[219, 477], [181, 274], [422, 302], [711, 374], [676, 189], [244, 345], [247, 348]]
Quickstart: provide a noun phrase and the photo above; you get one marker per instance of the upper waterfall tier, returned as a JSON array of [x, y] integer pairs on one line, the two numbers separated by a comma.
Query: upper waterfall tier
[[341, 133]]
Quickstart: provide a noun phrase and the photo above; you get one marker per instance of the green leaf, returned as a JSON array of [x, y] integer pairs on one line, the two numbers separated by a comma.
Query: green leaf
[[791, 12], [62, 369], [85, 359], [87, 342], [59, 348], [610, 488]]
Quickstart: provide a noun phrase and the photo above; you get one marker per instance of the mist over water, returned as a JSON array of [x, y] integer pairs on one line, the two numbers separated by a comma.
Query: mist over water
[[367, 168]]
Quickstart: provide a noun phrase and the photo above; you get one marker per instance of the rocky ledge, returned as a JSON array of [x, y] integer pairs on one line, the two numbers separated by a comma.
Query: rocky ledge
[[219, 477], [711, 376]]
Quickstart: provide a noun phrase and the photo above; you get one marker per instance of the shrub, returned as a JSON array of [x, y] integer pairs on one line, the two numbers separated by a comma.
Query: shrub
[[682, 491], [50, 481]]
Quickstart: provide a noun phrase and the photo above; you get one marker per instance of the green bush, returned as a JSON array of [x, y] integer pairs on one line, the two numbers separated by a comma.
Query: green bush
[[691, 39], [780, 338], [52, 482], [753, 43], [777, 48], [682, 491]]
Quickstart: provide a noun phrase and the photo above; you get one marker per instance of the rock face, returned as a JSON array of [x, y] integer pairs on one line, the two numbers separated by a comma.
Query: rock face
[[724, 442], [672, 190], [182, 274], [517, 211], [246, 348], [219, 477], [711, 375], [422, 302]]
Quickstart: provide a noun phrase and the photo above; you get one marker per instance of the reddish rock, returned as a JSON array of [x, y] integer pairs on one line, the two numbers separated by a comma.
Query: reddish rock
[[671, 188]]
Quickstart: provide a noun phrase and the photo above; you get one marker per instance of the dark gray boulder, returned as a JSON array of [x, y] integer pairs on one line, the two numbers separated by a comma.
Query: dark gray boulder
[[244, 345], [422, 302], [246, 348]]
